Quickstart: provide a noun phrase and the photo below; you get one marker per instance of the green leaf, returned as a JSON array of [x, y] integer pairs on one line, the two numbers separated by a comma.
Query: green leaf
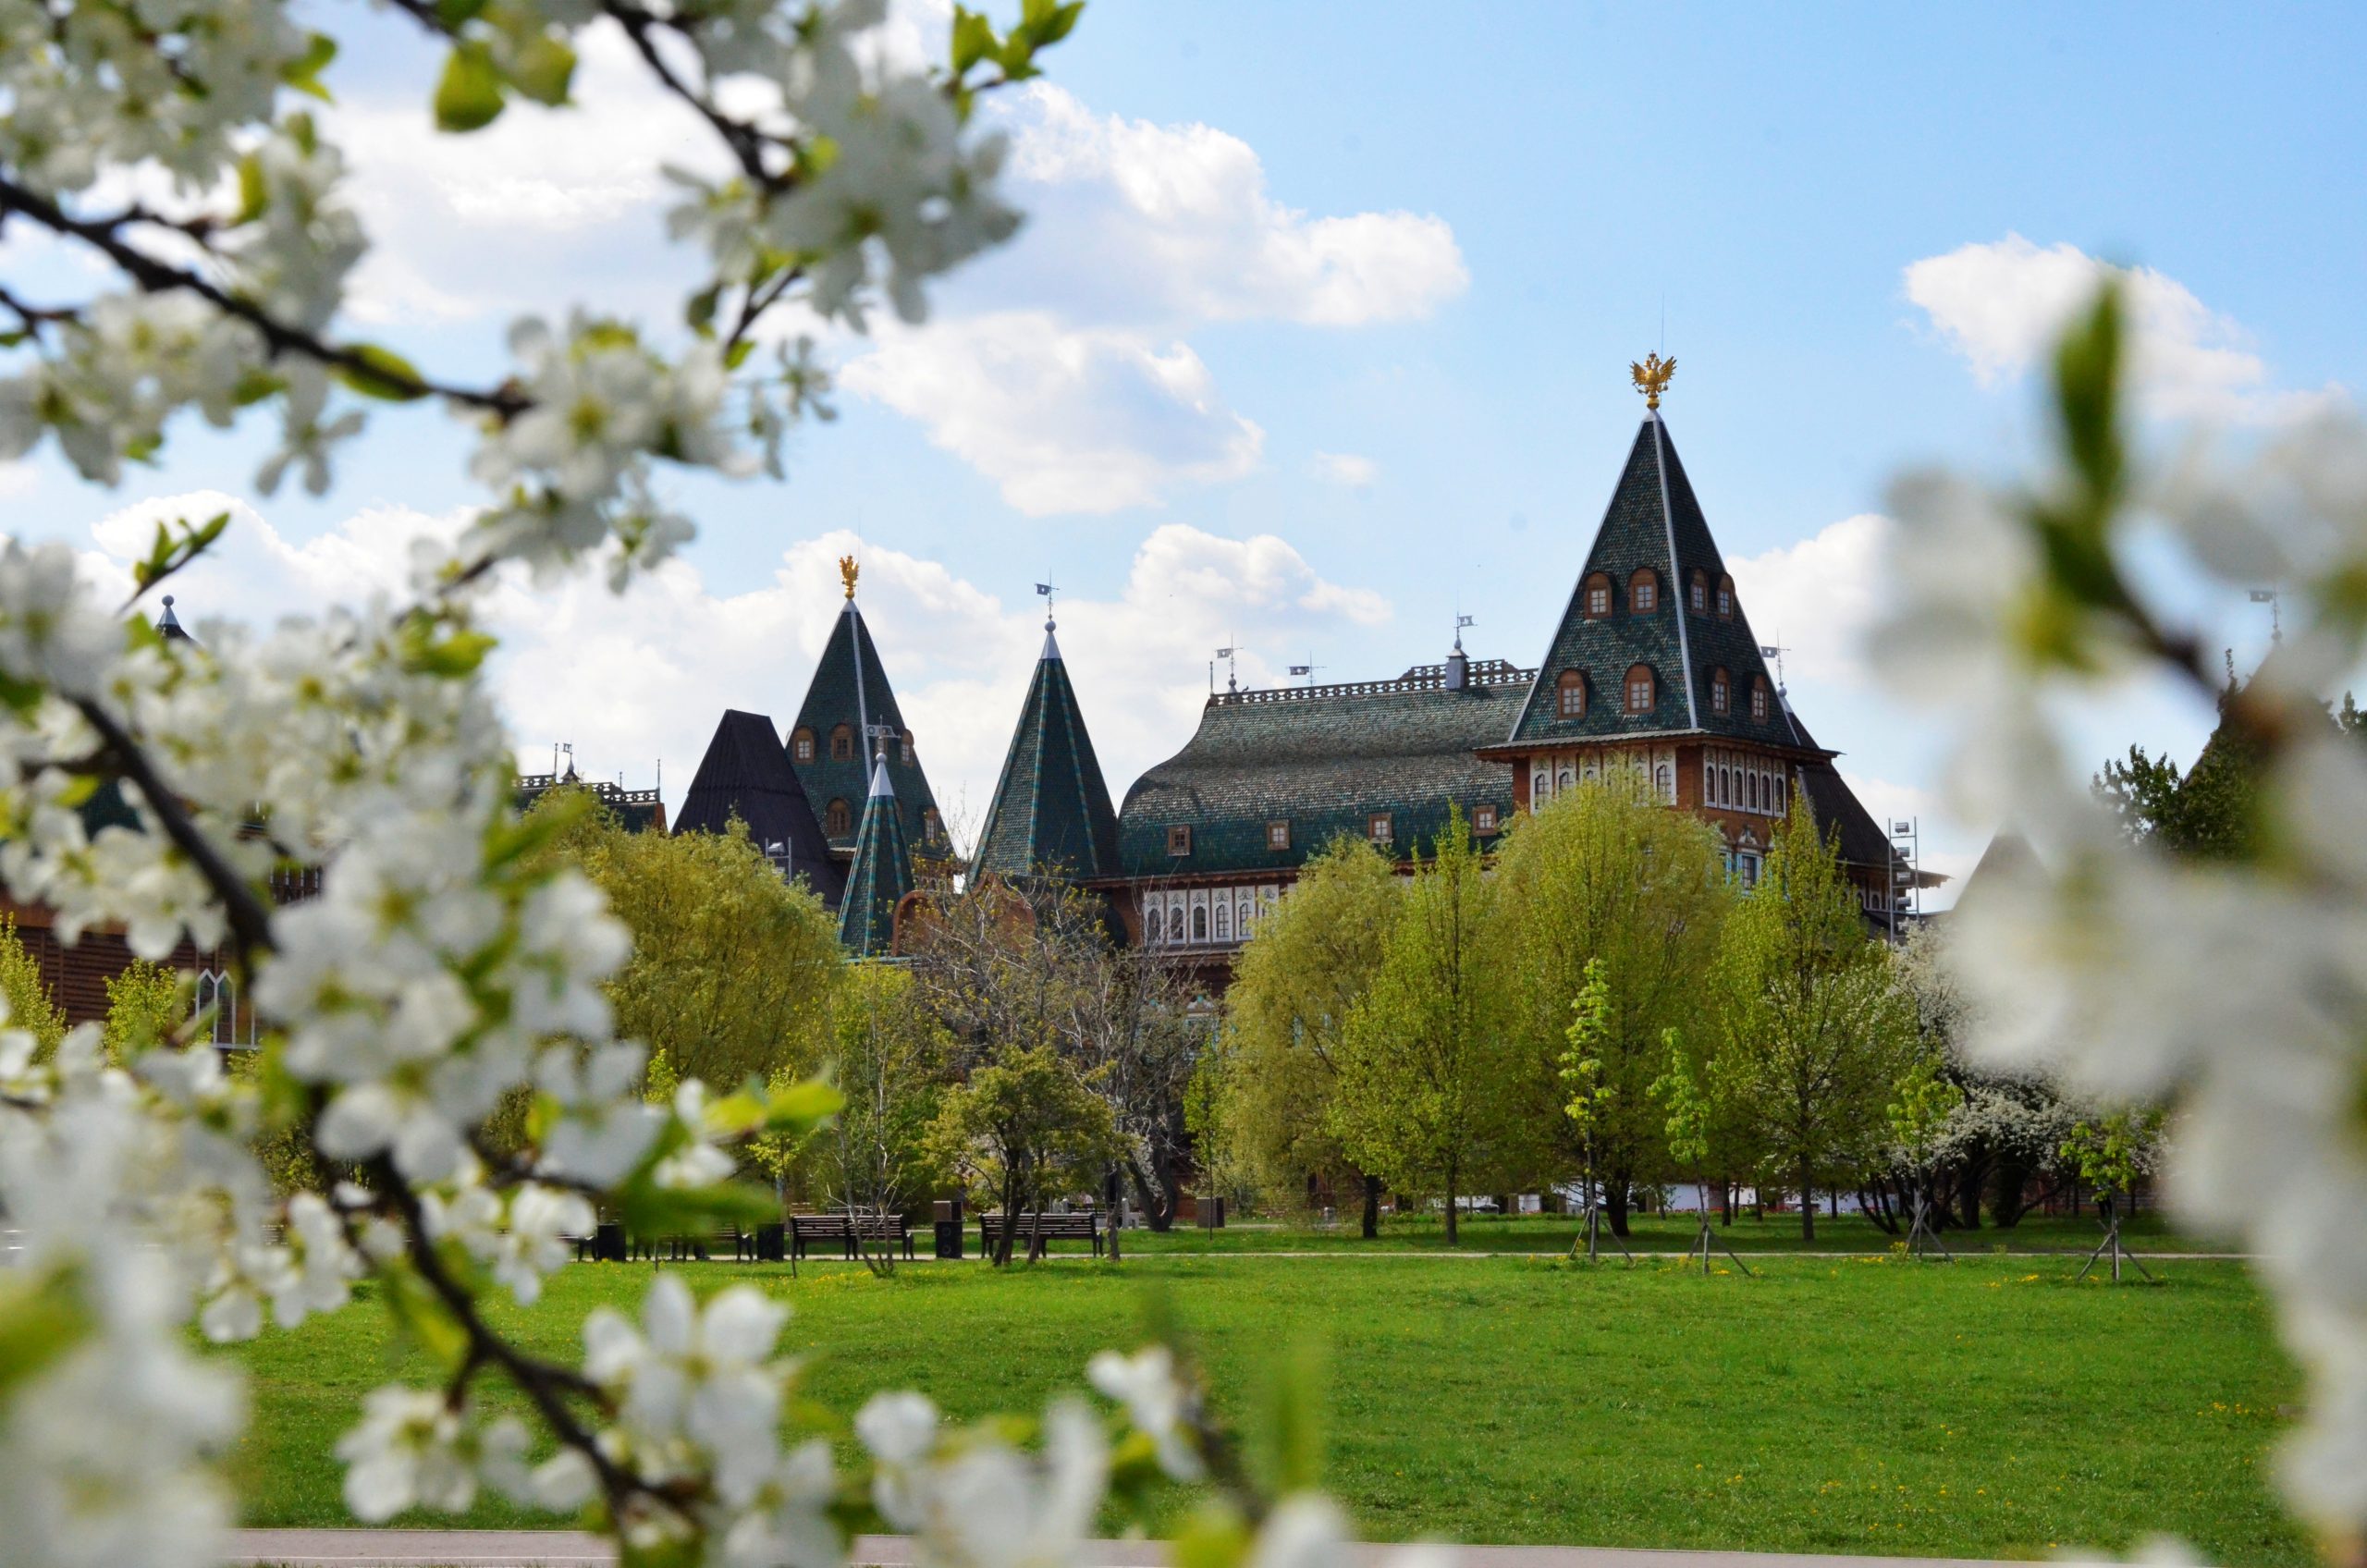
[[650, 1210], [973, 39], [698, 313], [543, 70], [456, 14], [382, 374], [737, 355], [40, 1321], [304, 72], [1214, 1536], [1055, 23], [2086, 382], [253, 197], [469, 97]]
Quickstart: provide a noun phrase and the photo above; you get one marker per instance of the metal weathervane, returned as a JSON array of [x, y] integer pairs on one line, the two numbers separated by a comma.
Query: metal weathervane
[[847, 569]]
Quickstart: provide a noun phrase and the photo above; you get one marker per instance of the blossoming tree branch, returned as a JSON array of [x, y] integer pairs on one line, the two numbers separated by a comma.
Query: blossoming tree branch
[[444, 970]]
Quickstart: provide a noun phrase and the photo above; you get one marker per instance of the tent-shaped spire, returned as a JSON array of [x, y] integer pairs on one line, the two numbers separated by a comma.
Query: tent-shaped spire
[[881, 875], [1653, 538], [833, 740], [168, 625], [1051, 815], [747, 774]]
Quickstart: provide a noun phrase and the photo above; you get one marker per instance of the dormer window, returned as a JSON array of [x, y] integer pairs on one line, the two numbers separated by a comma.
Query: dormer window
[[1639, 689], [1725, 598], [801, 746], [1278, 835], [1758, 698], [1381, 829], [908, 748], [1698, 593], [842, 744], [932, 826], [837, 820], [1644, 592], [1597, 595], [1719, 699], [1179, 841], [1483, 819], [1570, 694]]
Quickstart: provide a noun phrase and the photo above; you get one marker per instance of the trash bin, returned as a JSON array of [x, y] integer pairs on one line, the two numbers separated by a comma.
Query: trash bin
[[608, 1243], [1211, 1212], [772, 1243], [948, 1227]]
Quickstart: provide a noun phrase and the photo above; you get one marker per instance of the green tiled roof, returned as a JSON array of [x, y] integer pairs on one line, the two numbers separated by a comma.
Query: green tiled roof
[[830, 701], [1653, 521], [1052, 812], [1323, 759], [881, 874]]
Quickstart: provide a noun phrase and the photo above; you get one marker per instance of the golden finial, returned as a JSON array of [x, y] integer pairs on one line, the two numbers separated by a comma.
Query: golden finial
[[1651, 377], [846, 573]]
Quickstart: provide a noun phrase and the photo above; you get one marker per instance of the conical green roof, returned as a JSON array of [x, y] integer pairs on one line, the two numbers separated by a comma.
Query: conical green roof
[[1051, 815], [881, 875], [849, 688], [1654, 522]]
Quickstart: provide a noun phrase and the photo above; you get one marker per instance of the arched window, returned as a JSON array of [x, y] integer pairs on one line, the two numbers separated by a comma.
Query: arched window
[[1725, 598], [837, 821], [1570, 694], [1665, 777], [1639, 689], [1699, 594], [1644, 592], [218, 993], [1758, 698], [801, 746], [1199, 923], [1719, 699], [1597, 596], [1224, 922], [1750, 789], [1779, 795], [1725, 786], [1151, 924], [842, 744], [1245, 916]]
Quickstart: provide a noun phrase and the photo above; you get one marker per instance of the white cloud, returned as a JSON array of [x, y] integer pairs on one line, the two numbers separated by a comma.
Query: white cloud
[[18, 481], [1132, 220], [1345, 469], [1063, 421], [2002, 305], [635, 677], [1061, 368], [1819, 598]]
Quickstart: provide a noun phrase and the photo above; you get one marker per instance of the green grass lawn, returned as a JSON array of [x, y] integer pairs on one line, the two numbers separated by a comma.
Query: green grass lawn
[[1553, 1233], [1989, 1409]]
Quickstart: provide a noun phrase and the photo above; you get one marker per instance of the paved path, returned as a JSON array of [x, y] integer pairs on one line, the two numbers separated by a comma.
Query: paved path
[[1147, 1255], [566, 1549]]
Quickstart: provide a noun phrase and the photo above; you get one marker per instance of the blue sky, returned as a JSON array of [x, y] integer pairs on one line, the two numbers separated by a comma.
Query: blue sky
[[1320, 333]]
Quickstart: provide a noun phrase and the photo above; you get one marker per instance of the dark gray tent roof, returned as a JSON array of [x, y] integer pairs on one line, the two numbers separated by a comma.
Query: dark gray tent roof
[[746, 773]]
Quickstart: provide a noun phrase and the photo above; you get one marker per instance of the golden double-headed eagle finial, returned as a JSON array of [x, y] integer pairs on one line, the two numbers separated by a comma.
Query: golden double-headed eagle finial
[[1651, 377], [846, 573]]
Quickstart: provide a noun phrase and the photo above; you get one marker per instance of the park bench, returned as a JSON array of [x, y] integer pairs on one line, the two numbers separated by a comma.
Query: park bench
[[844, 1230], [1086, 1226]]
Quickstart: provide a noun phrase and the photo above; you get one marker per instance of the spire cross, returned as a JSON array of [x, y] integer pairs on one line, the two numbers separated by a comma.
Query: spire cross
[[1045, 591], [1651, 377]]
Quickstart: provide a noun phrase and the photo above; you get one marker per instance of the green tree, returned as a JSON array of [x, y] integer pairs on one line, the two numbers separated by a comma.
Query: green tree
[[889, 1058], [144, 1006], [1815, 1031], [1295, 983], [1607, 875], [31, 1007], [1025, 1128], [1420, 1098], [733, 970]]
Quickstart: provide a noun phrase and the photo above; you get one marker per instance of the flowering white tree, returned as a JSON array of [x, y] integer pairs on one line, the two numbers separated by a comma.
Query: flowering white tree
[[444, 967], [2237, 987]]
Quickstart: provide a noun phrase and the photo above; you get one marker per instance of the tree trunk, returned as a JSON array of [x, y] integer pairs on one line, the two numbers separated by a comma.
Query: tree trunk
[[1111, 1189], [1614, 1203], [1726, 1202], [1807, 1205], [1372, 1209], [1453, 1235], [1001, 1252], [1158, 1198]]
